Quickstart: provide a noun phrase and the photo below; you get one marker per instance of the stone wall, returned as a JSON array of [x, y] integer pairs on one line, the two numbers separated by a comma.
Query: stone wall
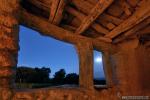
[[8, 46], [127, 70]]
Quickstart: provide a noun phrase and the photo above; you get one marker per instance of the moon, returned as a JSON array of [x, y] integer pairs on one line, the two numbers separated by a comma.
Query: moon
[[98, 59]]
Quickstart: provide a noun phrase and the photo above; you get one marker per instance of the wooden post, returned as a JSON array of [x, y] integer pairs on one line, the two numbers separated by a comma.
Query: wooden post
[[85, 52], [8, 46]]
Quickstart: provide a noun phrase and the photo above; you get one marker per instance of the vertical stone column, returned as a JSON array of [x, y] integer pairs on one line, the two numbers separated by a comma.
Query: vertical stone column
[[85, 52], [107, 68], [8, 46]]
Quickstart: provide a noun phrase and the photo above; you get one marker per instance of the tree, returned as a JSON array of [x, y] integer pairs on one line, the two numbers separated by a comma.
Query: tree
[[32, 75], [59, 77], [72, 78]]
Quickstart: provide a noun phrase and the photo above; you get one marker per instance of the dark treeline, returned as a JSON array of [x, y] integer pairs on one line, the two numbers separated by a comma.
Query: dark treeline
[[41, 75]]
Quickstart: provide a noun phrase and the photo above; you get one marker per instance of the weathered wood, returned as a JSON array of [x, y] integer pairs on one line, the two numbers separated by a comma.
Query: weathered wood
[[48, 29], [125, 7], [86, 64], [107, 24], [40, 5], [83, 6], [75, 22], [93, 1], [133, 30], [91, 33], [76, 13], [138, 27], [59, 12], [70, 28], [94, 13], [145, 30], [110, 18], [100, 29], [142, 13], [133, 3], [110, 26], [54, 8], [105, 39], [114, 9], [81, 16]]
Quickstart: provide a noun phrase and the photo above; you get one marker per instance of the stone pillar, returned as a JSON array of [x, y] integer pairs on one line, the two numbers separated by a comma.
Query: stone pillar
[[85, 52], [108, 68], [8, 46]]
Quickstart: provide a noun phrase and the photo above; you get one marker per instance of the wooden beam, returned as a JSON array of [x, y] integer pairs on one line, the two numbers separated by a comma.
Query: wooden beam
[[48, 29], [105, 39], [126, 7], [92, 16], [93, 1], [85, 7], [39, 5], [140, 14], [134, 30], [145, 30], [68, 27], [81, 16], [56, 13], [54, 6], [110, 18], [59, 13]]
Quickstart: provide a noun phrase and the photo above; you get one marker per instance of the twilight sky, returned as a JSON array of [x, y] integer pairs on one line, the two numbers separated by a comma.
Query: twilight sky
[[39, 51]]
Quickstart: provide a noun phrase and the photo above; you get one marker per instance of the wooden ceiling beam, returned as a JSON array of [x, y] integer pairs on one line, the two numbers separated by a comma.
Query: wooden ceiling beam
[[140, 14], [39, 4], [93, 15], [68, 27], [110, 18], [48, 29], [126, 7], [56, 13], [81, 16], [145, 30], [85, 7], [53, 10], [93, 1], [134, 30]]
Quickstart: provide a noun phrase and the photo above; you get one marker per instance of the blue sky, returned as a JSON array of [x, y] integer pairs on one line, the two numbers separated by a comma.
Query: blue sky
[[39, 51]]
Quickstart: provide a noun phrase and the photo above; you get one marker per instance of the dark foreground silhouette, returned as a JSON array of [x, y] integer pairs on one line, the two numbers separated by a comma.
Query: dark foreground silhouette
[[27, 77]]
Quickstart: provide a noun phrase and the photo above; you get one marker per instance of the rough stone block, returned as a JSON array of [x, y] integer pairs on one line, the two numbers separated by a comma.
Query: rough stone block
[[7, 59]]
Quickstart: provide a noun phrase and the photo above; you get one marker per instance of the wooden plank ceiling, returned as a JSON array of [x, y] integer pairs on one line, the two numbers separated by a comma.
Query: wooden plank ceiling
[[106, 20]]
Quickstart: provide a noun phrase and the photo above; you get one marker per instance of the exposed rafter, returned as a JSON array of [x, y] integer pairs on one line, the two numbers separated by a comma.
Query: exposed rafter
[[54, 6], [112, 19], [125, 7], [85, 7], [40, 4], [54, 31], [56, 12], [94, 13], [81, 16], [140, 14], [133, 30]]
